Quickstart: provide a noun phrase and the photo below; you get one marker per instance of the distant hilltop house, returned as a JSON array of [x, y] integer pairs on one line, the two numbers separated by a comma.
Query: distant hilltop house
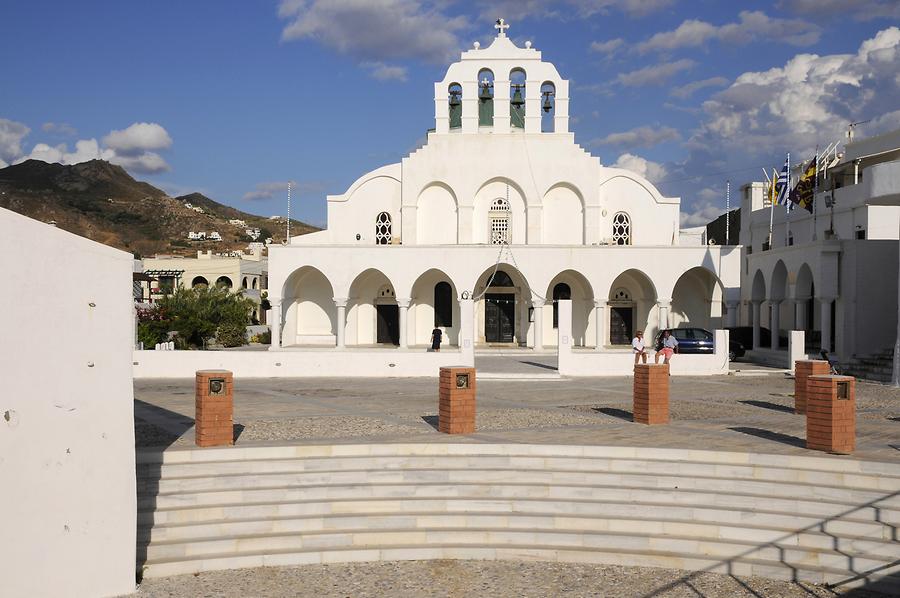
[[253, 233], [203, 236], [242, 272], [191, 206], [237, 222]]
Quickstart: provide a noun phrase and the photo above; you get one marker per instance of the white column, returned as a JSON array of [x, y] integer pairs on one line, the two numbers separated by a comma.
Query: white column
[[825, 317], [404, 314], [601, 320], [800, 315], [538, 324], [775, 322], [756, 316], [501, 105], [467, 331], [663, 305], [341, 304], [731, 317], [276, 325]]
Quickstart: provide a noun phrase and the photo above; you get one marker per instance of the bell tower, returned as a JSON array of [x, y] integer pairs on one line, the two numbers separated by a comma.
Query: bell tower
[[501, 89]]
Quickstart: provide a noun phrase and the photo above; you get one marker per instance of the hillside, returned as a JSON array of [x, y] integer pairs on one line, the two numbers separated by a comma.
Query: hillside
[[101, 201]]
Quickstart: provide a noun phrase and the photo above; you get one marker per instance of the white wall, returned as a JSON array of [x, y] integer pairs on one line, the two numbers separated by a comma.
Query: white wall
[[66, 415]]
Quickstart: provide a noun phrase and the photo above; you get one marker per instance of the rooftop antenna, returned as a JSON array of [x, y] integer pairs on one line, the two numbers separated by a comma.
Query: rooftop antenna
[[853, 126], [288, 239]]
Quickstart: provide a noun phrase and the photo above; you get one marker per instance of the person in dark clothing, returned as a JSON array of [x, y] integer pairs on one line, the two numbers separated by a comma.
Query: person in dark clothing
[[436, 335]]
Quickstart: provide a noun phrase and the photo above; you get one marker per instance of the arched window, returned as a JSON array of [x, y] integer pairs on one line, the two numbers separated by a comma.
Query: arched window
[[498, 218], [244, 283], [560, 291], [455, 105], [485, 98], [517, 98], [383, 229], [443, 304], [199, 281], [501, 279], [224, 281], [621, 229]]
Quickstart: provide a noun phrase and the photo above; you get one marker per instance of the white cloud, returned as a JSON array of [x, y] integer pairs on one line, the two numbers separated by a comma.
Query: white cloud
[[703, 212], [385, 72], [270, 189], [752, 25], [569, 9], [62, 129], [656, 74], [652, 171], [686, 91], [608, 47], [639, 137], [3, 164], [375, 30], [858, 10], [11, 135], [807, 102], [129, 148], [138, 138]]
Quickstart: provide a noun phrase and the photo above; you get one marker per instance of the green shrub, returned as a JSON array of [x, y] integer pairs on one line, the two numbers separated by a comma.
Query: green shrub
[[197, 315], [231, 335]]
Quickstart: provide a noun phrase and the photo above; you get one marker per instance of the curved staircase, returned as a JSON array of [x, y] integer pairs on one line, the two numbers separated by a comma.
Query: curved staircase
[[818, 519]]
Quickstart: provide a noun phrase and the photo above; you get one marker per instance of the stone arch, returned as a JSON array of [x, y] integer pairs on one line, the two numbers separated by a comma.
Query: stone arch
[[517, 95], [805, 297], [373, 315], [308, 303], [582, 296], [632, 306], [562, 215], [454, 105], [436, 215], [502, 299], [199, 281], [758, 290], [224, 281], [778, 285], [422, 309], [697, 300], [244, 283], [500, 187], [548, 107], [485, 98]]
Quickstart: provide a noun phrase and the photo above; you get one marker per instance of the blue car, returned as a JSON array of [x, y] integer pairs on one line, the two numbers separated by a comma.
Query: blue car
[[699, 341]]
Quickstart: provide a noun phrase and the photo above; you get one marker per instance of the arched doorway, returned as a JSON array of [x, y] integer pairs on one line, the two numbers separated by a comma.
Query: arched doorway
[[632, 298], [373, 315], [433, 305], [697, 300], [569, 284], [502, 306], [308, 301]]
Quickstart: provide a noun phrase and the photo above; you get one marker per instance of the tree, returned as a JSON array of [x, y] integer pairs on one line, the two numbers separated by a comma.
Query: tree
[[197, 315]]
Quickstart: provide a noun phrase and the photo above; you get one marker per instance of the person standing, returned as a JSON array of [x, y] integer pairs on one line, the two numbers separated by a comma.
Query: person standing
[[637, 345], [668, 347], [436, 336]]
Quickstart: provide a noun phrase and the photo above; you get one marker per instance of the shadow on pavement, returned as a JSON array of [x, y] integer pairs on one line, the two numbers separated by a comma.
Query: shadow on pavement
[[613, 412], [769, 435], [768, 405]]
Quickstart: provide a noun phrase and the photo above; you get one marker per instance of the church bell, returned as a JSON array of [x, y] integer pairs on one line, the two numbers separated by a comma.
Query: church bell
[[454, 99], [485, 93], [517, 99], [547, 105]]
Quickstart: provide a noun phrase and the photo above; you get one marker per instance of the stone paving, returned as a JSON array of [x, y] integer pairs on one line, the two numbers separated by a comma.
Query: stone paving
[[740, 413], [462, 579]]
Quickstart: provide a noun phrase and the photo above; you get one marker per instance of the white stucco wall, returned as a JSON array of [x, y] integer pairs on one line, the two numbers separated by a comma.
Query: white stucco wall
[[67, 461]]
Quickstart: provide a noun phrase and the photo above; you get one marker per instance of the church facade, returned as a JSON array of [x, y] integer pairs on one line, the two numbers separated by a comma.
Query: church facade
[[502, 208]]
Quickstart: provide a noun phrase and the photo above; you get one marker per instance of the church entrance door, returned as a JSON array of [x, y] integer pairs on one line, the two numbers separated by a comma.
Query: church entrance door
[[388, 324], [621, 327], [499, 317]]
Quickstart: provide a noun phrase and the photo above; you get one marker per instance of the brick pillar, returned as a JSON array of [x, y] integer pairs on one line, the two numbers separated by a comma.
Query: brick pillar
[[831, 414], [651, 393], [457, 400], [803, 369], [214, 422]]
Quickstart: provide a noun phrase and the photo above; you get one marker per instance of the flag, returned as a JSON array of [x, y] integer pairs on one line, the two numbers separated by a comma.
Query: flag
[[803, 191], [781, 185]]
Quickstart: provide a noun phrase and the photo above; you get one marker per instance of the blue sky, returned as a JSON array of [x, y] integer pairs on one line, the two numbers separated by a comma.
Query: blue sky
[[234, 98]]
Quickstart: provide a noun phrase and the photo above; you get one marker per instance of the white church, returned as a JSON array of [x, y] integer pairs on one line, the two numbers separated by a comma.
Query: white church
[[502, 208]]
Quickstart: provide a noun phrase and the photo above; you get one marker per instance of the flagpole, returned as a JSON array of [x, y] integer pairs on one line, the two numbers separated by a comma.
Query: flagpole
[[772, 204], [787, 205]]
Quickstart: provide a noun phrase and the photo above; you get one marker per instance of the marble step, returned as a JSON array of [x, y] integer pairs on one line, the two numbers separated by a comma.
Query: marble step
[[584, 464], [850, 537]]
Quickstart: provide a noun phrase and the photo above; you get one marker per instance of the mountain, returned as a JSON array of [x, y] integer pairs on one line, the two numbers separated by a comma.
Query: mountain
[[101, 201]]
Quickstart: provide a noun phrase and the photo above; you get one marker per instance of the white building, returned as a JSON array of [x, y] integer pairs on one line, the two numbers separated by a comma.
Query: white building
[[501, 206], [832, 273]]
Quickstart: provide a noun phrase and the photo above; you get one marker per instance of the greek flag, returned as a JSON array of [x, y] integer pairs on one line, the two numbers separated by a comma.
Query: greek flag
[[781, 186]]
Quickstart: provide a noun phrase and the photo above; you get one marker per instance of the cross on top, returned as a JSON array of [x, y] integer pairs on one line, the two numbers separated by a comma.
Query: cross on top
[[501, 26]]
